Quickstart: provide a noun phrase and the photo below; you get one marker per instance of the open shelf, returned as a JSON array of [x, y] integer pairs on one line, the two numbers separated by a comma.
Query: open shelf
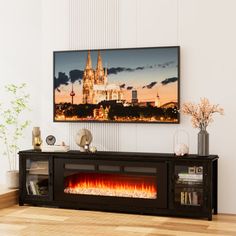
[[195, 186]]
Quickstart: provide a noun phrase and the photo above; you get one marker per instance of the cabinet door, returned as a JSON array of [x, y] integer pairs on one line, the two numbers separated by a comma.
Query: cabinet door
[[37, 178], [189, 185]]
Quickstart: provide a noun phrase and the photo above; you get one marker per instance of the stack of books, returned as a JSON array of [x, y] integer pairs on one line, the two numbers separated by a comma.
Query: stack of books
[[185, 177], [189, 198], [55, 148]]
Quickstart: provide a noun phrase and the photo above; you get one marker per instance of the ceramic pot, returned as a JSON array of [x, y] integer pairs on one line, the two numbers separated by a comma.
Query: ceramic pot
[[12, 179]]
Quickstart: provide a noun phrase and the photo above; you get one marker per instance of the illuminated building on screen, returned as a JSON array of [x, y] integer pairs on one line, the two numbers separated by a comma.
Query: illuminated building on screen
[[95, 85]]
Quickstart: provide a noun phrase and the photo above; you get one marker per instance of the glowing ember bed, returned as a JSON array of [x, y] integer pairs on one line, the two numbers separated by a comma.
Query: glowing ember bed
[[114, 185]]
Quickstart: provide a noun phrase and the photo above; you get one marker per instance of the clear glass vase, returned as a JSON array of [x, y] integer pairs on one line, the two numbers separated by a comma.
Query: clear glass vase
[[203, 143]]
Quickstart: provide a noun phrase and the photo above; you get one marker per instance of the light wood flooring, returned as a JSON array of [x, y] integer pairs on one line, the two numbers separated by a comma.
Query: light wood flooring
[[40, 221]]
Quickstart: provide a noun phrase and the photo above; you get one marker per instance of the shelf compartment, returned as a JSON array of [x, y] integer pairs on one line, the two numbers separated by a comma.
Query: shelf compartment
[[189, 196], [37, 185], [37, 177], [37, 167], [189, 186]]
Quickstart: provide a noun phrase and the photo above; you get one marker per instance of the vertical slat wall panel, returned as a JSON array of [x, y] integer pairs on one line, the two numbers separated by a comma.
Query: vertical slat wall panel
[[97, 24], [94, 24]]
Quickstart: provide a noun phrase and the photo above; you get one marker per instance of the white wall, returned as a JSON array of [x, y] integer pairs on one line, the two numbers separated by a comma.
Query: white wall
[[20, 58], [204, 30], [207, 36], [206, 33]]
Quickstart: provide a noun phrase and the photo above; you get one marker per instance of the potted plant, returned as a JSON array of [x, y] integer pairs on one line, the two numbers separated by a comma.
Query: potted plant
[[12, 126]]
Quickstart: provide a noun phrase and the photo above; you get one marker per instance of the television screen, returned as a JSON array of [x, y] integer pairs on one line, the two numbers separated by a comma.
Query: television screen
[[117, 85]]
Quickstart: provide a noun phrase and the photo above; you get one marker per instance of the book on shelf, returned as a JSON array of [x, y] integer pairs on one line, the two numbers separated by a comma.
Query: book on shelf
[[190, 198], [28, 189], [184, 177], [189, 182], [185, 197], [190, 176], [55, 148], [194, 198], [33, 187], [182, 198]]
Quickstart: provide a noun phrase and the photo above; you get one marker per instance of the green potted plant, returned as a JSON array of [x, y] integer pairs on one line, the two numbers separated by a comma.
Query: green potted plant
[[12, 125]]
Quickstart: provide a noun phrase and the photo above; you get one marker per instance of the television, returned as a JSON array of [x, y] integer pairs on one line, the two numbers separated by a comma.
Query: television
[[139, 85]]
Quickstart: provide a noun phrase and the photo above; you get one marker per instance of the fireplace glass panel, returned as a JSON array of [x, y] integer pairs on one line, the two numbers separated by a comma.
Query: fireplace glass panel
[[114, 185]]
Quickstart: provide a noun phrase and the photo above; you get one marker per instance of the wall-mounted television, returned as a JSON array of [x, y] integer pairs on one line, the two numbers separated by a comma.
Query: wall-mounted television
[[117, 85]]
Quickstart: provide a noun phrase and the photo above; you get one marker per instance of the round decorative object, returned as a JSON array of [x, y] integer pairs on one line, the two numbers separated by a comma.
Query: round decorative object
[[181, 142], [83, 139], [50, 140], [181, 149]]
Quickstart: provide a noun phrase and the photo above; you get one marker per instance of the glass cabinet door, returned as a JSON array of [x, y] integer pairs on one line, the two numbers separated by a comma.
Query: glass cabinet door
[[188, 185], [37, 177]]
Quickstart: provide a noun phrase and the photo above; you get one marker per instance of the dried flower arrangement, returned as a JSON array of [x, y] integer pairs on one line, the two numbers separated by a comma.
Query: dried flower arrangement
[[201, 113]]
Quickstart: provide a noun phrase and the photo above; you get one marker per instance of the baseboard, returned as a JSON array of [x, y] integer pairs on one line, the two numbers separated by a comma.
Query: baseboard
[[8, 197]]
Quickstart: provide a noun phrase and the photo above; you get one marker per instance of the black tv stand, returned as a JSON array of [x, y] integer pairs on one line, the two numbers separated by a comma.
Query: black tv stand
[[147, 183]]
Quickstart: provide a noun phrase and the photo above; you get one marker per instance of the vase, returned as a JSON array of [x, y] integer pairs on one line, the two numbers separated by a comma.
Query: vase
[[12, 179], [203, 143]]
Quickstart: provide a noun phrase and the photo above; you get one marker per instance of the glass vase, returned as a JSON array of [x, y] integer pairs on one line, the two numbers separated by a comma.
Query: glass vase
[[203, 143]]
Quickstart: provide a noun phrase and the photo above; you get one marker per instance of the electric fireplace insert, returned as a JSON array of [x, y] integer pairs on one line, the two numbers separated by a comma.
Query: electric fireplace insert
[[120, 184], [114, 185]]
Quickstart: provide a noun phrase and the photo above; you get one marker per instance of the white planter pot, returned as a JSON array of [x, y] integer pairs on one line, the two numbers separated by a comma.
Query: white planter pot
[[12, 179]]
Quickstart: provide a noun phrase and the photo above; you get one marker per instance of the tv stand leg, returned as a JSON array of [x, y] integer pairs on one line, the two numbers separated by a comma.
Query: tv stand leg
[[210, 218]]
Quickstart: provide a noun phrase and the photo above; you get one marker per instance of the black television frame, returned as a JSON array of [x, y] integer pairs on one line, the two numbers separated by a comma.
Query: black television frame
[[111, 121]]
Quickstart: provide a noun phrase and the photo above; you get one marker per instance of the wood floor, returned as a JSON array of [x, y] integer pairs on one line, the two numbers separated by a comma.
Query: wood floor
[[40, 221]]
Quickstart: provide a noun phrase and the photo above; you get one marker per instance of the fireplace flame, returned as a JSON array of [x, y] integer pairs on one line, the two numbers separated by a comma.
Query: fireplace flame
[[122, 186]]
